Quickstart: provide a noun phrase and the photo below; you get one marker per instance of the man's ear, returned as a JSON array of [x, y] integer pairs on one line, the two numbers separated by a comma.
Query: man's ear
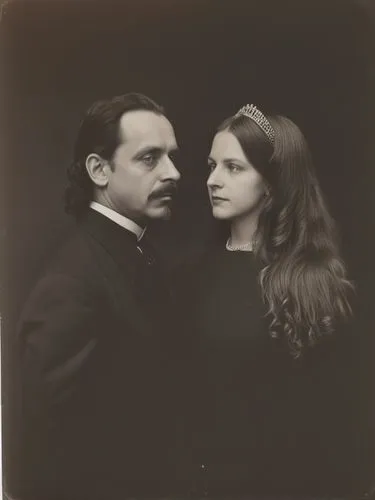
[[98, 169]]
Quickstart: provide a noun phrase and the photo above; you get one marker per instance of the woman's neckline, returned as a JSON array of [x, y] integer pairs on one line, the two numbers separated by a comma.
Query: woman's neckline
[[245, 247]]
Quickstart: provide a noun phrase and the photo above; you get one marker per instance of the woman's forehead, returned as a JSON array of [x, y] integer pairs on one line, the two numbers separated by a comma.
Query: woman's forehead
[[226, 145]]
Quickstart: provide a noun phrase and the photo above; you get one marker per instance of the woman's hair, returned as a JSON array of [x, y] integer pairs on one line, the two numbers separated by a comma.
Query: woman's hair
[[99, 133], [303, 278]]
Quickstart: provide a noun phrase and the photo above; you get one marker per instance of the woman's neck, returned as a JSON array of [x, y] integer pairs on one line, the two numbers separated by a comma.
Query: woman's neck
[[242, 230]]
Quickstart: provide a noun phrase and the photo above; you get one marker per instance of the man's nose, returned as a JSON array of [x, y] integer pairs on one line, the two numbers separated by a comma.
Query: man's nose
[[171, 172]]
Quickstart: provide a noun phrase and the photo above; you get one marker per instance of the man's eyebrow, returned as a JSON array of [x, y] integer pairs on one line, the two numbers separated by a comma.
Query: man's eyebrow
[[174, 149], [148, 150], [156, 150]]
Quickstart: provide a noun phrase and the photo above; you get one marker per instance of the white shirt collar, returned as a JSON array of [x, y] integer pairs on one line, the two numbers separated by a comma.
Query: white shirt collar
[[119, 219]]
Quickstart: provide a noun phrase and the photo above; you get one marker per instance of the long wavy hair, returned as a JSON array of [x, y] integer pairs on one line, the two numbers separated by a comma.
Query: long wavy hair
[[302, 278], [99, 133]]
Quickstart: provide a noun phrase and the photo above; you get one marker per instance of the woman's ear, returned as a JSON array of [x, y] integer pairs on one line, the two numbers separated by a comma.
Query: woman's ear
[[98, 170]]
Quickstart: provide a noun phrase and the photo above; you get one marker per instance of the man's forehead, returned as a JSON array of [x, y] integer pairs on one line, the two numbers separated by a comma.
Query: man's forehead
[[143, 126]]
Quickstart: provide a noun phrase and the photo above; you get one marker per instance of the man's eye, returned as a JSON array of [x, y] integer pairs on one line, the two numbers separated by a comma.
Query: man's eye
[[149, 159], [173, 157]]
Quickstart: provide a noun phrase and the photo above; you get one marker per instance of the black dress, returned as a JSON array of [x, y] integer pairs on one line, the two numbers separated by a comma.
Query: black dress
[[255, 420]]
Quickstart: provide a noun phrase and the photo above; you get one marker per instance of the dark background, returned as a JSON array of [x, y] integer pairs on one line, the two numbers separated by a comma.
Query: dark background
[[310, 60]]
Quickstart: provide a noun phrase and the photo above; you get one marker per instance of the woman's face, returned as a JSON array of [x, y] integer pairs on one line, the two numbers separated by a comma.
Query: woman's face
[[235, 187]]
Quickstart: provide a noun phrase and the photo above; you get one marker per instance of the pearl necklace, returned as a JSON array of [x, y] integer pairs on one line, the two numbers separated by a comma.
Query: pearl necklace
[[246, 247]]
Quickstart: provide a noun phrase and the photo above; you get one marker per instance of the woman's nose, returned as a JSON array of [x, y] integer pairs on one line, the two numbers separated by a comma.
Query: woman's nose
[[214, 178]]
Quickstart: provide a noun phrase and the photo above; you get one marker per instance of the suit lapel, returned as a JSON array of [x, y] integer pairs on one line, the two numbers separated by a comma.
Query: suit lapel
[[116, 253]]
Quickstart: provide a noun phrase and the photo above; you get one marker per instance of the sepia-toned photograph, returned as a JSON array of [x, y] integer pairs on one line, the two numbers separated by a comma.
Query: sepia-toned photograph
[[187, 249]]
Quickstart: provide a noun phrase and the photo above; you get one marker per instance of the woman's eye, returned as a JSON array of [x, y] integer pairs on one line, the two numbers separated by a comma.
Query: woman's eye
[[233, 168], [211, 167]]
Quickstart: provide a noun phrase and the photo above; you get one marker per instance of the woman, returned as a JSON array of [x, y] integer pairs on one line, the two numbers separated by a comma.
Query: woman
[[267, 405]]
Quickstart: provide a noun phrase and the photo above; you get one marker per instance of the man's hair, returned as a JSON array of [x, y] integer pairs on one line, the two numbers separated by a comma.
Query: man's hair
[[99, 133]]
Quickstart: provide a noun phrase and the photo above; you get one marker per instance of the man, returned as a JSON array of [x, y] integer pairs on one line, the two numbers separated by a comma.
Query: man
[[92, 337]]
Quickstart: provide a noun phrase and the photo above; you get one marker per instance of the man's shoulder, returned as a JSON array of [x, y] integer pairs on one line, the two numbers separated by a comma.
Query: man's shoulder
[[74, 257], [83, 261], [71, 262], [70, 276], [80, 262]]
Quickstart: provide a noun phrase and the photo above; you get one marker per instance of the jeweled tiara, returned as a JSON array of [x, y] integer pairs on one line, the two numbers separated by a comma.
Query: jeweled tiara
[[258, 117]]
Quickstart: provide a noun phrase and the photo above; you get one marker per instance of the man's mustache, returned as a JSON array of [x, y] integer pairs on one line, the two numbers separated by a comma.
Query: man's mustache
[[166, 190]]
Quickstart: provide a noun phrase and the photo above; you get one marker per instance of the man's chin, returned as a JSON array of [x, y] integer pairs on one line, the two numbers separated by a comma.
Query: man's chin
[[160, 213]]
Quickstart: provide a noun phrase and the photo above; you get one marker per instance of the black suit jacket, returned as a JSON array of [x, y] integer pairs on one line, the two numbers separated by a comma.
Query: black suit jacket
[[92, 345]]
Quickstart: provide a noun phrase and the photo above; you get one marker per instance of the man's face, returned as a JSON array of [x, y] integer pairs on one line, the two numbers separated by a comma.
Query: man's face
[[143, 179]]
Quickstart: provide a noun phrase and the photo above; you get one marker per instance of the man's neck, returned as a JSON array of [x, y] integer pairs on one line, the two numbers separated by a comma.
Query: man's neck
[[119, 219]]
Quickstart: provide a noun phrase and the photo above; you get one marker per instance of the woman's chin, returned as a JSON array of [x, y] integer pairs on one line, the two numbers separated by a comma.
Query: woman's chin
[[220, 214]]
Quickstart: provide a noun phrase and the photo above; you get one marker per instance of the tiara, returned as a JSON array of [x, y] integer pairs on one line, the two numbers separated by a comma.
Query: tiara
[[258, 117]]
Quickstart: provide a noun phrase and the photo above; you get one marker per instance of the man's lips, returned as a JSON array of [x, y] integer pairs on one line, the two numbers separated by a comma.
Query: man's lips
[[167, 193]]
